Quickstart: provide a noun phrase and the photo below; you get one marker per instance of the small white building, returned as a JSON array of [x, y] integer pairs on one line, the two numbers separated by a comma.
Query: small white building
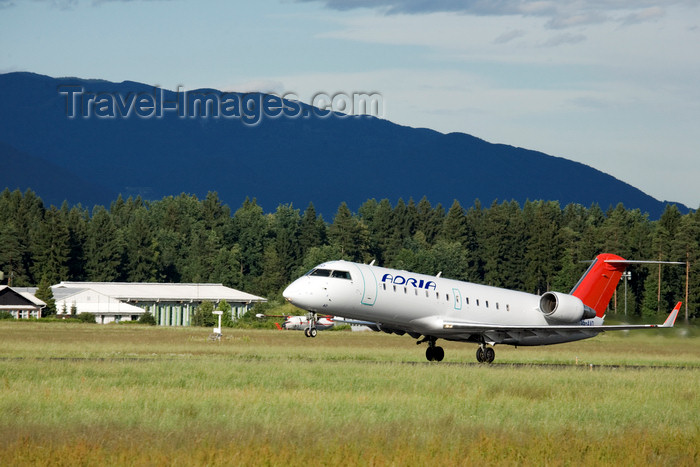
[[105, 308], [170, 304], [20, 304]]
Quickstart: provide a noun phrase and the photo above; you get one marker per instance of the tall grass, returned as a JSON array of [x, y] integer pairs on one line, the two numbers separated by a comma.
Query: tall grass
[[86, 395]]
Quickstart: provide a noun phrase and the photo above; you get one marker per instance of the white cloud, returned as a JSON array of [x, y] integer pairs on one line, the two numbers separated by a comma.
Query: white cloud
[[641, 16], [564, 38], [509, 36]]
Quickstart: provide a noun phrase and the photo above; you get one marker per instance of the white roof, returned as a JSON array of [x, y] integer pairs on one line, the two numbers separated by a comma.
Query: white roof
[[28, 295], [150, 291], [91, 301], [33, 299]]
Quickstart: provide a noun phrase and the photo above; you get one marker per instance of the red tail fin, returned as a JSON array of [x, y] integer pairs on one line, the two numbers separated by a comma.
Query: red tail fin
[[596, 287], [278, 326]]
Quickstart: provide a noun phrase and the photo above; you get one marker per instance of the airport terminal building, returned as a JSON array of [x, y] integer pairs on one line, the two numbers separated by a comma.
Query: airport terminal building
[[170, 304]]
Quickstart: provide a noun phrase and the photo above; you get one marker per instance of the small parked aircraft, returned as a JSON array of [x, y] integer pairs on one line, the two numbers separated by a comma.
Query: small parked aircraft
[[310, 325], [301, 323], [429, 308]]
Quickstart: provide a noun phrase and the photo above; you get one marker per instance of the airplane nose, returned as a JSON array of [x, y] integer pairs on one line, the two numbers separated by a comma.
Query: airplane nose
[[293, 292], [288, 293], [302, 295]]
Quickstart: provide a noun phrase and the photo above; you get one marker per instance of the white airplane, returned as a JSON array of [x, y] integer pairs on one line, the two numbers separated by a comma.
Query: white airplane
[[311, 324], [301, 323], [429, 308]]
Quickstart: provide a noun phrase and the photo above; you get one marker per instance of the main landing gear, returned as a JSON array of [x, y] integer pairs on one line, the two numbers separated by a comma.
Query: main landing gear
[[311, 331], [485, 354], [433, 353]]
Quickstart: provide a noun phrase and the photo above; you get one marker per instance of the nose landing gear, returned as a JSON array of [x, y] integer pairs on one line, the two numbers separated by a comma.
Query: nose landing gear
[[311, 331]]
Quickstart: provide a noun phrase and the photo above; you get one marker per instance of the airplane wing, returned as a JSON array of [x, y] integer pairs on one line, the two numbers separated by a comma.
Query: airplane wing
[[536, 335]]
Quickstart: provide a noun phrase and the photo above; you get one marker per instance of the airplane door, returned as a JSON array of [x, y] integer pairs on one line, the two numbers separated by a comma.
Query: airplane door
[[458, 299], [369, 289]]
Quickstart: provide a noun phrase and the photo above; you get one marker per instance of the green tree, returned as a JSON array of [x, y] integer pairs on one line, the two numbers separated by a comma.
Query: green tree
[[204, 315], [454, 228], [227, 267], [503, 239], [251, 231], [686, 247], [45, 294], [429, 220], [87, 317], [201, 254], [11, 254], [286, 230], [349, 234], [542, 249], [140, 248], [226, 317], [147, 318], [312, 230], [51, 247], [272, 278], [378, 218], [103, 247], [77, 221]]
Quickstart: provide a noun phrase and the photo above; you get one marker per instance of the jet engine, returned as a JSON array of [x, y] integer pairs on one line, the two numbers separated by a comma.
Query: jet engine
[[564, 308]]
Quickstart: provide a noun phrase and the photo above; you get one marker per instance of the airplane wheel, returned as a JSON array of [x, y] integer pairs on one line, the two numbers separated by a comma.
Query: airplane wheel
[[489, 355], [438, 354], [480, 355], [306, 332], [313, 332], [429, 354]]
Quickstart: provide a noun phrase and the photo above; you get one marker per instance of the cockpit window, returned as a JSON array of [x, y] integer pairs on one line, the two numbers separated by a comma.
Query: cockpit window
[[321, 272], [341, 274]]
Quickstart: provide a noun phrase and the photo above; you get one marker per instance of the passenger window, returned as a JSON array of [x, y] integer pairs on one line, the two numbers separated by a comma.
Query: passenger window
[[427, 294], [497, 305], [477, 302], [447, 297], [487, 303], [466, 300], [384, 286], [405, 290], [437, 294], [507, 307]]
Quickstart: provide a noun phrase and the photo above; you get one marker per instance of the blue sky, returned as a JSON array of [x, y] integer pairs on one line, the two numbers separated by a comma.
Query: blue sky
[[610, 83]]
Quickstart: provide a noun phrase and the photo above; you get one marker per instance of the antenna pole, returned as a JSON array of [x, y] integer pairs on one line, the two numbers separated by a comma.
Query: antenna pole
[[687, 275]]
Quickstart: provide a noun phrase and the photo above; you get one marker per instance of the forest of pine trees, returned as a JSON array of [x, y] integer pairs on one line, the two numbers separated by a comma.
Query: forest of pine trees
[[534, 248]]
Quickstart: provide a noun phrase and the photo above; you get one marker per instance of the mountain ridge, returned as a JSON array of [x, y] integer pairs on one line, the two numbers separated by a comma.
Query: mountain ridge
[[281, 159]]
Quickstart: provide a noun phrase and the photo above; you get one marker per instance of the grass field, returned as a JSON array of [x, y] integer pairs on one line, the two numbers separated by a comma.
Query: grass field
[[77, 394]]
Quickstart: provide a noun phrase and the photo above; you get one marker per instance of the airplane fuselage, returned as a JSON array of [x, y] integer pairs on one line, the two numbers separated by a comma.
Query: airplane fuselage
[[417, 304]]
